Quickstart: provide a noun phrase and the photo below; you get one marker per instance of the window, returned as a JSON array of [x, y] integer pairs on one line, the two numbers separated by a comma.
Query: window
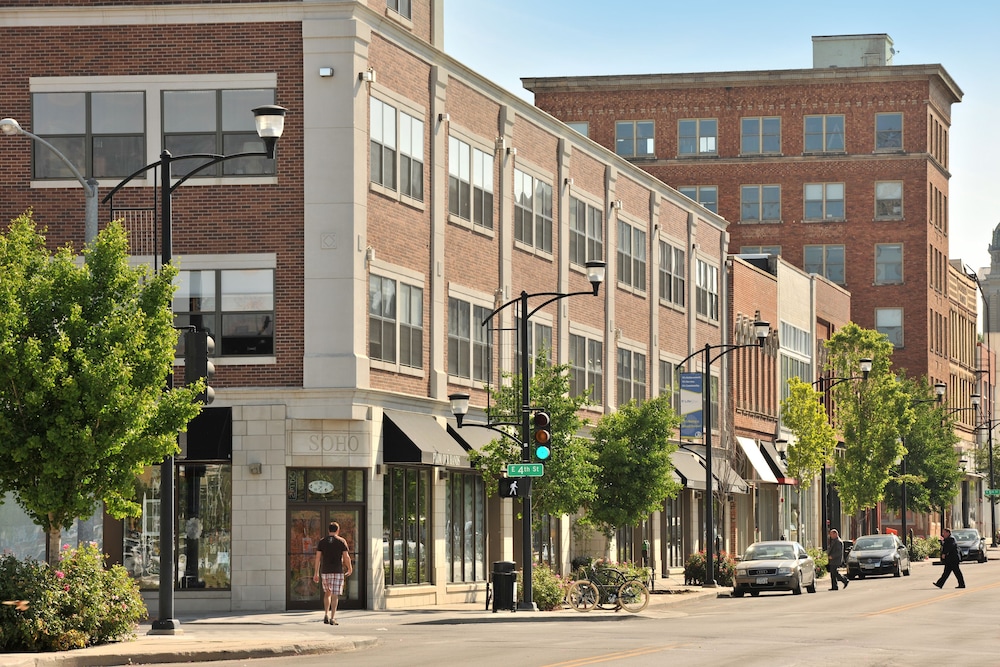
[[586, 232], [539, 342], [383, 143], [707, 290], [670, 384], [411, 156], [401, 7], [634, 138], [385, 328], [406, 512], [760, 135], [889, 200], [697, 136], [631, 376], [582, 127], [586, 368], [469, 342], [672, 280], [383, 135], [824, 134], [825, 260], [796, 351], [470, 183], [218, 122], [713, 398], [102, 134], [706, 195], [890, 322], [532, 211], [760, 203], [888, 263], [235, 306], [465, 527], [824, 201], [888, 131], [760, 250], [631, 256]]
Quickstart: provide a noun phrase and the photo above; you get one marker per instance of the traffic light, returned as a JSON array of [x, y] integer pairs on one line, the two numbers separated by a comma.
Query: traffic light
[[542, 436], [197, 346]]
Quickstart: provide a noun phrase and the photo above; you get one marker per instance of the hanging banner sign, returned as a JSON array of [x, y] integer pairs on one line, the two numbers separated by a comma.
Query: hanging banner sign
[[692, 405]]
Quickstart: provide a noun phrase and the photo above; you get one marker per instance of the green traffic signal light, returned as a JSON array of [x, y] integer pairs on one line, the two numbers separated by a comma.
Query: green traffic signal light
[[542, 436]]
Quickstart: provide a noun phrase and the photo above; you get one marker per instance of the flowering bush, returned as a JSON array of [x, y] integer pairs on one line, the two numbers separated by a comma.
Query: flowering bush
[[547, 588], [725, 568], [79, 604]]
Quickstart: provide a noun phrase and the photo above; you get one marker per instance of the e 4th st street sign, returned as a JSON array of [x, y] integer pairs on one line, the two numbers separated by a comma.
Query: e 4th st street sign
[[525, 469]]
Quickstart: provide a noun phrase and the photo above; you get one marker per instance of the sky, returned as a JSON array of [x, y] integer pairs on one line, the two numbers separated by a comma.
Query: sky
[[505, 40]]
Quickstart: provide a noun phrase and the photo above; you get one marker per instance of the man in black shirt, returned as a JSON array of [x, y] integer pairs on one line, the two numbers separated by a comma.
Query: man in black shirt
[[333, 562], [952, 559]]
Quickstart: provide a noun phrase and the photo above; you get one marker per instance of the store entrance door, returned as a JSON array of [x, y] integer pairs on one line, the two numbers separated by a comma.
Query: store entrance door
[[307, 525]]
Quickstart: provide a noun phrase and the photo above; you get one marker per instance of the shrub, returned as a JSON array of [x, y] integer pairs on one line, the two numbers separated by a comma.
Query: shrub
[[922, 548], [547, 590], [580, 562], [725, 568], [820, 558], [80, 604]]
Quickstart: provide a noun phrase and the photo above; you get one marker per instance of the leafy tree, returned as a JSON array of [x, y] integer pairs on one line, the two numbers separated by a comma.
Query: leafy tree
[[633, 447], [872, 414], [805, 415], [85, 349], [568, 482]]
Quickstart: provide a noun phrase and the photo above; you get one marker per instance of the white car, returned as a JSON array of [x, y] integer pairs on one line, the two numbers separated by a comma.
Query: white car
[[775, 566]]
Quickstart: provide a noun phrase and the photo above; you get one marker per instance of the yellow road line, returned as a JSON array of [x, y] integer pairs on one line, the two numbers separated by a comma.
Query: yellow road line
[[921, 603], [607, 657]]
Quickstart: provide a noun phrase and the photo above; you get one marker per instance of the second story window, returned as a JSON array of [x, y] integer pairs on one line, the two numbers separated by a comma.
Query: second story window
[[890, 322], [634, 138], [888, 131], [824, 134], [631, 256], [889, 200], [395, 321], [707, 290], [824, 201], [670, 384], [469, 342], [470, 183], [698, 136], [888, 263], [672, 281], [586, 362], [760, 136], [382, 134], [631, 376], [760, 203], [411, 156], [539, 342], [235, 306], [586, 232], [825, 260], [706, 195], [532, 211]]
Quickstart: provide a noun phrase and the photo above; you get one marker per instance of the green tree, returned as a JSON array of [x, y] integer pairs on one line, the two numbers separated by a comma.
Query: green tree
[[568, 482], [872, 414], [815, 440], [634, 467], [85, 349]]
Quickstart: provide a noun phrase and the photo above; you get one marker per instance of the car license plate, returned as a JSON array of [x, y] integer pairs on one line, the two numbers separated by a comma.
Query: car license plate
[[761, 581], [868, 567]]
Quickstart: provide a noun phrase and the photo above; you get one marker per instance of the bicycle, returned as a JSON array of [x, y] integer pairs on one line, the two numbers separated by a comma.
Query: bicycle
[[608, 587]]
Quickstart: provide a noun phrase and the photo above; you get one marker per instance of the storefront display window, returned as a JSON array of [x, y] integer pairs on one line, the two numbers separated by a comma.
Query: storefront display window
[[465, 527]]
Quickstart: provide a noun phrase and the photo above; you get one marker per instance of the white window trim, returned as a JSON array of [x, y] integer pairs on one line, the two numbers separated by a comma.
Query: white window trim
[[474, 298], [418, 111], [401, 275], [548, 178], [635, 224], [475, 142]]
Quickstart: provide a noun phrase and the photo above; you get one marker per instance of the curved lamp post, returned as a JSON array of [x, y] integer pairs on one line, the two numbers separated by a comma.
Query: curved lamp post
[[270, 121], [11, 127], [460, 407]]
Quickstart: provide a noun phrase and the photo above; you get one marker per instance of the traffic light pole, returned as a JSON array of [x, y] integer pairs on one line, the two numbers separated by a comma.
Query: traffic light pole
[[527, 556]]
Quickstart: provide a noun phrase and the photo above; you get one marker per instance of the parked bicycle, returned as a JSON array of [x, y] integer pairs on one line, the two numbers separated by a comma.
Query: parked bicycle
[[608, 588]]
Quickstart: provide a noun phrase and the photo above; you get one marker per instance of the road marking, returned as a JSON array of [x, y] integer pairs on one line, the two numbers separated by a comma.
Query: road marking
[[608, 657], [921, 603]]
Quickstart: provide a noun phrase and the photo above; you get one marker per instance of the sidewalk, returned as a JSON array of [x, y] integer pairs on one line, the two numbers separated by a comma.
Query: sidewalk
[[239, 636]]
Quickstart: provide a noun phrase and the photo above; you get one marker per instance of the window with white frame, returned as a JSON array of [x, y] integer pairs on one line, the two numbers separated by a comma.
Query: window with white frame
[[235, 306], [824, 134], [401, 7], [411, 156], [698, 136], [470, 344], [888, 131], [582, 127], [586, 363], [824, 201], [395, 321], [539, 343], [532, 211], [890, 322], [470, 183], [760, 203], [631, 256], [889, 200], [706, 195], [796, 355], [760, 135], [382, 138], [215, 122], [707, 290], [888, 263], [631, 372], [672, 274], [586, 232], [825, 260], [670, 384], [465, 527], [634, 138]]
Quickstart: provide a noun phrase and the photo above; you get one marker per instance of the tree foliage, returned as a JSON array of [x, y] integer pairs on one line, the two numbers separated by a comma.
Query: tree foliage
[[634, 467], [85, 349], [815, 440], [568, 482]]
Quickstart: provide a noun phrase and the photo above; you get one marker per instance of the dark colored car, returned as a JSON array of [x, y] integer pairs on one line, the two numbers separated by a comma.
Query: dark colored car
[[971, 544], [878, 554], [774, 566]]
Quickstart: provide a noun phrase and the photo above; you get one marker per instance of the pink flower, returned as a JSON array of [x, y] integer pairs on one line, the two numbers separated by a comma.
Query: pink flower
[[65, 547], [66, 588], [60, 574]]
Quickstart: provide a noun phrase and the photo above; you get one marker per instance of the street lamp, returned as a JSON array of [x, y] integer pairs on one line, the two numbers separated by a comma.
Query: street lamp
[[270, 122], [761, 331], [460, 406], [10, 127]]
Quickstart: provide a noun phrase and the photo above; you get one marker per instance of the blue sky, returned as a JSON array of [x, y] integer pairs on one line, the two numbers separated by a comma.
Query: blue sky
[[505, 40]]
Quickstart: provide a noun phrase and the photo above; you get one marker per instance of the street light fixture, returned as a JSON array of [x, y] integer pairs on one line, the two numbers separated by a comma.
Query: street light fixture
[[10, 127], [460, 406], [270, 122], [761, 331]]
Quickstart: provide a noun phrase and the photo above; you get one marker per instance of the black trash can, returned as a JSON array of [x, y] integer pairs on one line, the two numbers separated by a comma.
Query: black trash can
[[504, 577]]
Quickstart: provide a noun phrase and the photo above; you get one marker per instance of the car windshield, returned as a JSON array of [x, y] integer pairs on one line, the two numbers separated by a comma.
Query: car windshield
[[770, 552], [964, 535], [873, 543]]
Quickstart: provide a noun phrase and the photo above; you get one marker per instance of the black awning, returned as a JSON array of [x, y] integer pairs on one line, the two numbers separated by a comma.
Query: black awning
[[408, 437]]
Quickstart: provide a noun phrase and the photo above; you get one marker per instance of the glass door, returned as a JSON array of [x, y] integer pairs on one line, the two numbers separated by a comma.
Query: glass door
[[307, 526]]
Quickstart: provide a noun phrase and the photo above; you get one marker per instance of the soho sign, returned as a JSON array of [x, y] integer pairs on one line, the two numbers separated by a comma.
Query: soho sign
[[329, 442]]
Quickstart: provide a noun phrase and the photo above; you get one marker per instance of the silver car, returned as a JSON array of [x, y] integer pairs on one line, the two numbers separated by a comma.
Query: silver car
[[774, 566]]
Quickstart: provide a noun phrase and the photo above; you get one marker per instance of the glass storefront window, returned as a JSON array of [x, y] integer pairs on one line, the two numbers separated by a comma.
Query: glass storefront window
[[465, 527], [406, 522]]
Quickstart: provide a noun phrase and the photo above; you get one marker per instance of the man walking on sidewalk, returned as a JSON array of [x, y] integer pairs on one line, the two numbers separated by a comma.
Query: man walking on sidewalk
[[834, 559], [333, 562]]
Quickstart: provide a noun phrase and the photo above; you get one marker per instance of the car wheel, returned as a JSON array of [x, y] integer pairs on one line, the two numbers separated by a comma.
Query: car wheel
[[852, 577], [811, 588], [797, 587], [754, 594], [906, 572], [898, 570], [738, 592]]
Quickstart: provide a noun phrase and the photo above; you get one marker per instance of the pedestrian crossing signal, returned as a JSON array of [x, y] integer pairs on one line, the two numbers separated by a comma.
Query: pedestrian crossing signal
[[542, 436], [514, 487]]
